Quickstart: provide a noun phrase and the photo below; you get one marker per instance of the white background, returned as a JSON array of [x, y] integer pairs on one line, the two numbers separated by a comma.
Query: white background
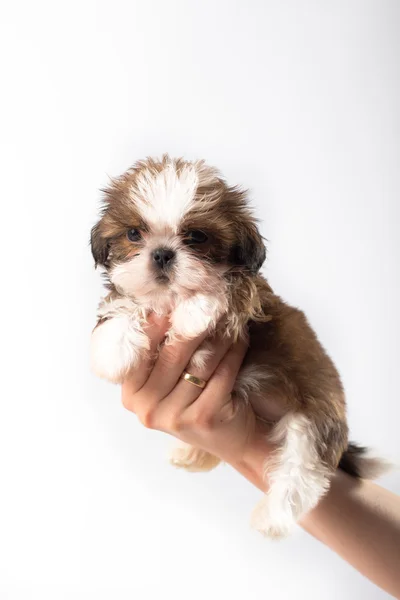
[[297, 100]]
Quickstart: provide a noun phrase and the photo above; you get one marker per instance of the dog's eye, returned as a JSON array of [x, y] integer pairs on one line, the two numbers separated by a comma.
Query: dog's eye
[[133, 235], [196, 237]]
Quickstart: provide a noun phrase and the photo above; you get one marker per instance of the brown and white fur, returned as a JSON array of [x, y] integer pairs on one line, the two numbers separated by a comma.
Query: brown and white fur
[[174, 238]]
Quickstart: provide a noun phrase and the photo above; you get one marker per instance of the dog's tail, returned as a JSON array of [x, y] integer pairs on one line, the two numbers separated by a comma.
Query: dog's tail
[[358, 462]]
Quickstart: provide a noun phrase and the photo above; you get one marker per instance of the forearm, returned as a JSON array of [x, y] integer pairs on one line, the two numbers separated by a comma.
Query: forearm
[[356, 519], [360, 521]]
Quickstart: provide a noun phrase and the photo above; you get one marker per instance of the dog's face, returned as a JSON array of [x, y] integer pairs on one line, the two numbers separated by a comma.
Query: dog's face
[[172, 228]]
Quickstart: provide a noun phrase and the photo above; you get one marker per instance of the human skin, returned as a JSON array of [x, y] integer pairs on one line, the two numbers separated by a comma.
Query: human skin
[[358, 520]]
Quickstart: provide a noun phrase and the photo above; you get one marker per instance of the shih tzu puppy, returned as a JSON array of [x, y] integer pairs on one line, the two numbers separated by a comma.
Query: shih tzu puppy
[[174, 238]]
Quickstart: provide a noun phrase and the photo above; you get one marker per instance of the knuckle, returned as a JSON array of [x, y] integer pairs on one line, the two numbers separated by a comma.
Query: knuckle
[[127, 400], [147, 417], [203, 421], [175, 424]]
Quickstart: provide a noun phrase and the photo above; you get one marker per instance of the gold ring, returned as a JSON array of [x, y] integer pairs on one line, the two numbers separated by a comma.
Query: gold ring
[[194, 380]]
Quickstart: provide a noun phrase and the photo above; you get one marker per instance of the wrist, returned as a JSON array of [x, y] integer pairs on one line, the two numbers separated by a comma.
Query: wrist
[[251, 464]]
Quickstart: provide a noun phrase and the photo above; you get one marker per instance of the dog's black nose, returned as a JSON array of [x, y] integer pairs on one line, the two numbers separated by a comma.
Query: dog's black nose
[[163, 257]]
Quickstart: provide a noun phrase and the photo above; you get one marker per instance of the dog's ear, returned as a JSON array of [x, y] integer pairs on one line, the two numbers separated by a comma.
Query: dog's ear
[[100, 244], [249, 251]]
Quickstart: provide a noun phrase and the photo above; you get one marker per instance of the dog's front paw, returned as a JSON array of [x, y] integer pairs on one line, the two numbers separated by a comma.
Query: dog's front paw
[[117, 346], [192, 459], [197, 314]]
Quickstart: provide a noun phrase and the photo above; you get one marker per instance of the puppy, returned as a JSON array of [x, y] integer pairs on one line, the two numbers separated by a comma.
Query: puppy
[[175, 239]]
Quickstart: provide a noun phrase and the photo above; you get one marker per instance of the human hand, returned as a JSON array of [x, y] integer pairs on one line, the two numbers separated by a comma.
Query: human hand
[[210, 418]]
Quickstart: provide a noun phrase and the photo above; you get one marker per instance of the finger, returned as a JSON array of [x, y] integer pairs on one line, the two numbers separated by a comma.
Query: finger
[[169, 367], [185, 392], [223, 380], [202, 365], [207, 357], [156, 328]]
